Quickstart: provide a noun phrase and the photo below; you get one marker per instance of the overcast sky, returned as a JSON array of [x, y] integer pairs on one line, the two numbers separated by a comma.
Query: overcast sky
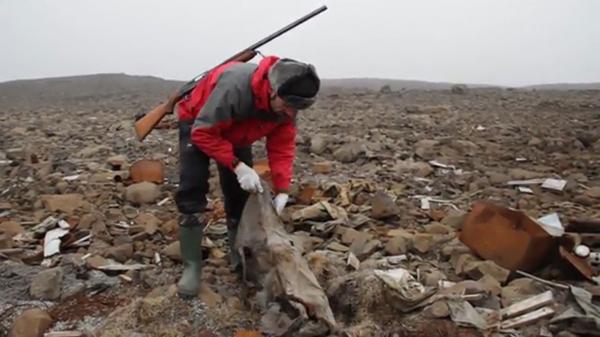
[[506, 42]]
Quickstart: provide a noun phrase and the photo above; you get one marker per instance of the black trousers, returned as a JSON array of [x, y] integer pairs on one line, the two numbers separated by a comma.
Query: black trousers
[[194, 173]]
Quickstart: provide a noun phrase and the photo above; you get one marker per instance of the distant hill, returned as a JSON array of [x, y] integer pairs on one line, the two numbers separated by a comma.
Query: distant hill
[[99, 86], [377, 83], [566, 86], [83, 87]]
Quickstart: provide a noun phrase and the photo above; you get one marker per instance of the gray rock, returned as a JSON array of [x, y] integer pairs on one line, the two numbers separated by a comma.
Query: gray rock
[[47, 284], [142, 193]]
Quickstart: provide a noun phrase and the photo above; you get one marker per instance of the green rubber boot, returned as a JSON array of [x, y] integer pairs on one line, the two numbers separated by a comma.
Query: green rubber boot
[[190, 240]]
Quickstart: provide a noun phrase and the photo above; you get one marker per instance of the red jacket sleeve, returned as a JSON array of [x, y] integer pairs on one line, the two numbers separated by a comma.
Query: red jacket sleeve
[[281, 150]]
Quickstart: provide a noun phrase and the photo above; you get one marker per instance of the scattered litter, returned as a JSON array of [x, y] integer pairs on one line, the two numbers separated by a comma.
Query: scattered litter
[[411, 294], [463, 313], [425, 203], [124, 267], [526, 182], [162, 202], [71, 178], [353, 261], [524, 189], [508, 237], [551, 223], [554, 184], [52, 241], [63, 224]]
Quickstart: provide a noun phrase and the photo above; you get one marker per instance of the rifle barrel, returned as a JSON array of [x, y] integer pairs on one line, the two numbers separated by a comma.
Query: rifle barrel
[[280, 32], [191, 84]]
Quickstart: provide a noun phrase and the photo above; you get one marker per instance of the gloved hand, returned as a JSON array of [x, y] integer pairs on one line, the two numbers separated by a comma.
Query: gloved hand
[[248, 178], [279, 202]]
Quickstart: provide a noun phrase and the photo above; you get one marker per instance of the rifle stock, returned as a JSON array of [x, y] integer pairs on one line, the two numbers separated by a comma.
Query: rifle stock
[[147, 123]]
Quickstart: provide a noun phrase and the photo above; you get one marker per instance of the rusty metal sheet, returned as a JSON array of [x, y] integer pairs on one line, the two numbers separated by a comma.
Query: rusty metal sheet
[[149, 170], [508, 237], [580, 264]]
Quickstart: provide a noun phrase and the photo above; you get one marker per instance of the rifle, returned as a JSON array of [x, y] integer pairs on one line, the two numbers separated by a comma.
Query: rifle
[[148, 122]]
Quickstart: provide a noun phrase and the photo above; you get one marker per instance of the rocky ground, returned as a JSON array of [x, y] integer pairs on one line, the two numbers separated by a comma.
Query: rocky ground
[[383, 181]]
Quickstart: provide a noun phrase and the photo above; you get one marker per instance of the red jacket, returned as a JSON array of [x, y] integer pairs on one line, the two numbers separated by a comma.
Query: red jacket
[[230, 108]]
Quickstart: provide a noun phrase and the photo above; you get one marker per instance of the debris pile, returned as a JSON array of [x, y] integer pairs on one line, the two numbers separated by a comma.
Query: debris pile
[[411, 212]]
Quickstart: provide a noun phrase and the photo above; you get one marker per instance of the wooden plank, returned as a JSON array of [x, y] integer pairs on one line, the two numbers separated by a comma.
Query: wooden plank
[[527, 318], [529, 304], [63, 334]]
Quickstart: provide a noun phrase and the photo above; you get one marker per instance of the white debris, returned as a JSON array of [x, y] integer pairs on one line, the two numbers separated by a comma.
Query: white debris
[[425, 203], [551, 223], [526, 182], [162, 202], [554, 184], [52, 241], [524, 189], [71, 178], [63, 224]]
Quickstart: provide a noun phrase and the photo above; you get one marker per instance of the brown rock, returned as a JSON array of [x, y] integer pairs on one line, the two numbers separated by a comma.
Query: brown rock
[[6, 241], [519, 289], [432, 277], [234, 303], [398, 245], [423, 242], [419, 169], [338, 247], [61, 187], [121, 253], [323, 167], [351, 235], [455, 219], [425, 148], [66, 203], [521, 174], [455, 248], [498, 178], [438, 228], [173, 251], [593, 192], [148, 221], [209, 296], [349, 153], [363, 249], [478, 269], [47, 284], [96, 262], [142, 193], [318, 144], [86, 221], [31, 323], [584, 200], [383, 206], [460, 261], [438, 309], [169, 227], [491, 285], [11, 228]]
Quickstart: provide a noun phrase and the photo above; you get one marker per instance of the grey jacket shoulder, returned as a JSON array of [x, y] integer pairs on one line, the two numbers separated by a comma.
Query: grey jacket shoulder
[[231, 98]]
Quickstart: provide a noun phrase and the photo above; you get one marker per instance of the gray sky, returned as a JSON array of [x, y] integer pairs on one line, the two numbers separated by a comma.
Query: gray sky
[[508, 42]]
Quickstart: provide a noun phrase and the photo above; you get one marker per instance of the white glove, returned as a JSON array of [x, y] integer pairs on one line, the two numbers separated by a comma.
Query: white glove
[[248, 178], [279, 202]]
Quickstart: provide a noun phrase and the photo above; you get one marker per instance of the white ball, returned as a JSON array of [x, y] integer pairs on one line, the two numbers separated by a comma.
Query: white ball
[[582, 251]]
